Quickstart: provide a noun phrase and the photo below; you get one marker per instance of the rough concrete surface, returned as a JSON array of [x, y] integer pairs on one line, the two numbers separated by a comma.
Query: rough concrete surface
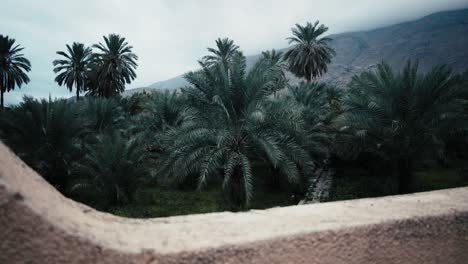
[[39, 225]]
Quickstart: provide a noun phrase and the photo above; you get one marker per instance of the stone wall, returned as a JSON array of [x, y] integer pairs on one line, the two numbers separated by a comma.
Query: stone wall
[[39, 225]]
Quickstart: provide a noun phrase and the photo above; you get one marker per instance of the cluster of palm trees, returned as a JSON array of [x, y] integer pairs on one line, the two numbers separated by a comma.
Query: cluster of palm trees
[[231, 121], [401, 117], [104, 73]]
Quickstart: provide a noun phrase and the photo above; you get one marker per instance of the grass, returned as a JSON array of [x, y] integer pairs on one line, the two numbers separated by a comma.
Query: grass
[[264, 200], [436, 177], [159, 202], [349, 183], [439, 178], [353, 183]]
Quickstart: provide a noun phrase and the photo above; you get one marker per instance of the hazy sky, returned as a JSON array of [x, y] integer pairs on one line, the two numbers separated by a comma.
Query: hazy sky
[[169, 36]]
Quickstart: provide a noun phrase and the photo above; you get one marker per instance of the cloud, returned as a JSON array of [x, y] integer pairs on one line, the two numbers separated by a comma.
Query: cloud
[[170, 35]]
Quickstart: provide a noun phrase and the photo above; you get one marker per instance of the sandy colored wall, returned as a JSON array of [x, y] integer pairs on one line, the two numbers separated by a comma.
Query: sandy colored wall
[[39, 225]]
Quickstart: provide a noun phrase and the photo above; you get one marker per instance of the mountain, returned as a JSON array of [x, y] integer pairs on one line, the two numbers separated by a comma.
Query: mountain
[[440, 38]]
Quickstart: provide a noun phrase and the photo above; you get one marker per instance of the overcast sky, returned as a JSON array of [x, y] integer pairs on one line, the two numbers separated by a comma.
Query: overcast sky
[[169, 36]]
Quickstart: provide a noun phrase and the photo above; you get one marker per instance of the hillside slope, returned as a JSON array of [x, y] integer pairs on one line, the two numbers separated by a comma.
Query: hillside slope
[[440, 38]]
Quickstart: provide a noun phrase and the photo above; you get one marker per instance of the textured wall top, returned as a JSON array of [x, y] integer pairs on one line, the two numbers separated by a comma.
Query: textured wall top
[[32, 211]]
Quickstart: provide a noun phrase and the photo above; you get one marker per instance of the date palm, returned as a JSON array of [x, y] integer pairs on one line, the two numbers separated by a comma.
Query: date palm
[[113, 167], [224, 52], [273, 55], [234, 123], [321, 105], [45, 135], [274, 59], [162, 113], [98, 115], [402, 116], [310, 55], [115, 65], [74, 69], [13, 67]]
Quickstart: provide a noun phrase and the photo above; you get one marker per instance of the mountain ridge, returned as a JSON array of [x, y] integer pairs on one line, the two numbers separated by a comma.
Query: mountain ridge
[[438, 38]]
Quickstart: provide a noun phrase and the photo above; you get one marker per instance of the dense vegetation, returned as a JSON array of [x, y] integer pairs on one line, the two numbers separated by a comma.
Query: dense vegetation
[[236, 137]]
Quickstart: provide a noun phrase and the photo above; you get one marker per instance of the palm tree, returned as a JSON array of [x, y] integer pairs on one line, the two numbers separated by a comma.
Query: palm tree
[[163, 112], [115, 65], [224, 52], [100, 114], [400, 117], [233, 124], [166, 110], [321, 105], [309, 56], [45, 135], [74, 69], [13, 66], [274, 59], [113, 166], [273, 55]]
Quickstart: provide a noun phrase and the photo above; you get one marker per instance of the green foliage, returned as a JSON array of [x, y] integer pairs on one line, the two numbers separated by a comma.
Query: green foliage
[[162, 114], [113, 67], [112, 166], [355, 183], [162, 202], [234, 123], [56, 138], [134, 104], [159, 202], [13, 66], [225, 52], [43, 133], [310, 55], [100, 114], [74, 69], [104, 73], [320, 105], [235, 133], [165, 110], [440, 178], [401, 116]]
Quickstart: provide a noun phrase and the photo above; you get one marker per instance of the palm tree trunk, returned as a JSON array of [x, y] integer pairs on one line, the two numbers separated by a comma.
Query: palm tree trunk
[[405, 177], [234, 193], [77, 94], [274, 181], [1, 106]]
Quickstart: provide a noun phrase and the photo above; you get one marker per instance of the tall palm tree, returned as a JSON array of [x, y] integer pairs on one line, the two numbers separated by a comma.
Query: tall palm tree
[[224, 52], [13, 66], [74, 69], [115, 65], [309, 56], [235, 123], [402, 116]]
